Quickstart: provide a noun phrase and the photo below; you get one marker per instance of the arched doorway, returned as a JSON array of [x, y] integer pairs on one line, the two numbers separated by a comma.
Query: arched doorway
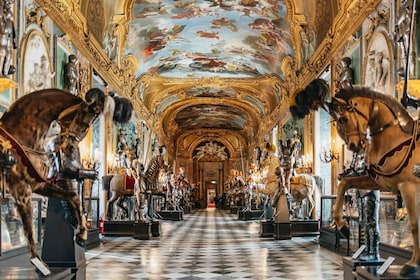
[[211, 194]]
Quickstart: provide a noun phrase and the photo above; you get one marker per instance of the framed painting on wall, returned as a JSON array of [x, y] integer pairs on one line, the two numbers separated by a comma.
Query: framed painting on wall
[[37, 72]]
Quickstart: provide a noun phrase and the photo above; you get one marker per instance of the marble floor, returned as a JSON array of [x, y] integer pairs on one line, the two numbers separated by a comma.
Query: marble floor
[[212, 244]]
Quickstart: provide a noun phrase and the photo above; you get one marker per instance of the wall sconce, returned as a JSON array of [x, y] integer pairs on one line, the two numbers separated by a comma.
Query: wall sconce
[[328, 156]]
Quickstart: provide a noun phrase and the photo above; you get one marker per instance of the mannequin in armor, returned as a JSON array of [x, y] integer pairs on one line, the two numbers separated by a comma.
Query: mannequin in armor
[[75, 123], [7, 37], [346, 74], [371, 218], [287, 161], [71, 77]]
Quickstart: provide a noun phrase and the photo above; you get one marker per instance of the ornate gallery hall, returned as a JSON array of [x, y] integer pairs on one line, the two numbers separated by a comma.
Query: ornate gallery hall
[[212, 244], [209, 139]]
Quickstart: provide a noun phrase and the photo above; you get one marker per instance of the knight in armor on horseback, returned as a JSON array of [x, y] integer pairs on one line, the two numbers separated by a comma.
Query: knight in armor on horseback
[[67, 169]]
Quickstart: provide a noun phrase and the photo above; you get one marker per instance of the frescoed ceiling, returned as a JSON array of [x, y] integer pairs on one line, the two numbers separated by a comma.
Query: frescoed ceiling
[[191, 55], [209, 38], [210, 70]]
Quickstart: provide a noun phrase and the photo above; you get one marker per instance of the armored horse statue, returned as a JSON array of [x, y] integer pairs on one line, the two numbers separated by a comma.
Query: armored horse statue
[[393, 150], [137, 183], [26, 165]]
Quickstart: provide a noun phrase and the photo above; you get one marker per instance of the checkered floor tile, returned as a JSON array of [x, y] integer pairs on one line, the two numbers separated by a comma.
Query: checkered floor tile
[[211, 244]]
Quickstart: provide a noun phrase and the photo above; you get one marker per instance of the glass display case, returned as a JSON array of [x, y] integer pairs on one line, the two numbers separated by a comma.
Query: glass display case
[[327, 203], [394, 228], [329, 235], [393, 223], [90, 199], [13, 240]]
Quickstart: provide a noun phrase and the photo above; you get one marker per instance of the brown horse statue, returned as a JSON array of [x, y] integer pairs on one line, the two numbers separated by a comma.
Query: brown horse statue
[[393, 151], [138, 183], [24, 131], [300, 186]]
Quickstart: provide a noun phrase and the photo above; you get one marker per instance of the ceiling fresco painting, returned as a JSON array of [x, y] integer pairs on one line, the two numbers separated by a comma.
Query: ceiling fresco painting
[[211, 92], [211, 116], [202, 38]]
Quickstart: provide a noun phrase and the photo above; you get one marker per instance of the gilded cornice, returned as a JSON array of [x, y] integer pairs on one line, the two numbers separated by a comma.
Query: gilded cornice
[[67, 16], [348, 21], [296, 21]]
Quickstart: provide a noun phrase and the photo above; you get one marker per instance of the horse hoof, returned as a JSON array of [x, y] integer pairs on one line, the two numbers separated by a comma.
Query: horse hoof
[[79, 241], [408, 269], [344, 232]]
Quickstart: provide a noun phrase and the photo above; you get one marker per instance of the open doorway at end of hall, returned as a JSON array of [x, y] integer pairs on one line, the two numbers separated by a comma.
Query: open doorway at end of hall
[[211, 194]]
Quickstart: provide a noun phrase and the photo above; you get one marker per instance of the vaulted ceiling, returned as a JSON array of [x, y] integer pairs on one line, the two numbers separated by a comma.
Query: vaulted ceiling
[[211, 70]]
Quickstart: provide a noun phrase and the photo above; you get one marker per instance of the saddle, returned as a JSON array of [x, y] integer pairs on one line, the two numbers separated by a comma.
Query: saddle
[[129, 182]]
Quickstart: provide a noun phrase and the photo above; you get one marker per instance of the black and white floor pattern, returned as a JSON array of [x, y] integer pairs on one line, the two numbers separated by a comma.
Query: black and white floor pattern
[[212, 244]]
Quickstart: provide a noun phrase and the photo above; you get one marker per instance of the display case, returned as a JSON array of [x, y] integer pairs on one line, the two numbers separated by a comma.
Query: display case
[[327, 203], [329, 235], [90, 199], [13, 240], [395, 235]]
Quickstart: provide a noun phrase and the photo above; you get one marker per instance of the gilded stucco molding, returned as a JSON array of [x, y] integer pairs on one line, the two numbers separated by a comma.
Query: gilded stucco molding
[[67, 16], [33, 15], [380, 17], [297, 21], [190, 140], [348, 21]]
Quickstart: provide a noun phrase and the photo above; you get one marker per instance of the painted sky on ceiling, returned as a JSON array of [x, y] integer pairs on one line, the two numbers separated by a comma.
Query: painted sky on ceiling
[[200, 38]]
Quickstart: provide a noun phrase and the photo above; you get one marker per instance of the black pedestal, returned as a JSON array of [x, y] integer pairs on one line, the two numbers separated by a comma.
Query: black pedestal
[[156, 228], [142, 231], [247, 215], [234, 209], [59, 249], [173, 215], [282, 231], [93, 238], [57, 273], [266, 229], [331, 239], [305, 228], [118, 228], [350, 265], [187, 209], [393, 272]]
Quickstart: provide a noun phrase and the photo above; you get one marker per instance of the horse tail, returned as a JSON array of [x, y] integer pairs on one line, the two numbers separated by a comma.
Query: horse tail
[[319, 183], [106, 182]]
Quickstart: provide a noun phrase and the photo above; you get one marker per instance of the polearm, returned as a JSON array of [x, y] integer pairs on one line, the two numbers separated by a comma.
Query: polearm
[[407, 58]]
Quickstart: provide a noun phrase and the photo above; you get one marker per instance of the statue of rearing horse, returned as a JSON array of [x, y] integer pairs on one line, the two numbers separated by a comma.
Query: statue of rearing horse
[[393, 150], [24, 129]]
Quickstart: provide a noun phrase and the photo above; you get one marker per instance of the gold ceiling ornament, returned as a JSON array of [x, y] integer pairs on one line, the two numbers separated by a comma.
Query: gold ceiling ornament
[[33, 15], [211, 149]]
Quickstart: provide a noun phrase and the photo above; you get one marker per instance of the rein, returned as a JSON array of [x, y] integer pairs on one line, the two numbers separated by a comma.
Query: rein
[[374, 169], [24, 156]]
